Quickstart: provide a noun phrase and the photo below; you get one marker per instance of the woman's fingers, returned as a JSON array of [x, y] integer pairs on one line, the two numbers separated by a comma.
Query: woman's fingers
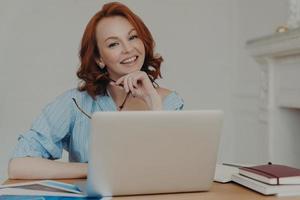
[[115, 85], [130, 84], [137, 83], [120, 80], [125, 83]]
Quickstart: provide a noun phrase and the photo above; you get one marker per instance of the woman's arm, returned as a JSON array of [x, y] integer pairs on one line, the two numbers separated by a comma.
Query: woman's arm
[[40, 168]]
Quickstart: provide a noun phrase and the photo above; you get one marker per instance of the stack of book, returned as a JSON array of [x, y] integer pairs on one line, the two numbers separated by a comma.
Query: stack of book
[[270, 179]]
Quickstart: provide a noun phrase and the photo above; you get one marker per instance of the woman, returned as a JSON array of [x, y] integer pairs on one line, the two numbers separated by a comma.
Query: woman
[[118, 69]]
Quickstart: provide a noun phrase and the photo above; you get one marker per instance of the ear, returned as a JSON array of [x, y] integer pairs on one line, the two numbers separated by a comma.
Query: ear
[[100, 63]]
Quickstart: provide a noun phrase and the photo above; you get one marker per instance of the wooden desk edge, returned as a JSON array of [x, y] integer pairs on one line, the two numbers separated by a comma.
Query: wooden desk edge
[[224, 191]]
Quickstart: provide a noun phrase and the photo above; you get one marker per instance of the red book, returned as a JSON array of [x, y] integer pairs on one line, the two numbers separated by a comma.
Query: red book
[[272, 174]]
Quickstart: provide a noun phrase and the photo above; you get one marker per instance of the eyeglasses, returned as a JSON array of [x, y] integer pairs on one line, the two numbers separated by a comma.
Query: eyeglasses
[[81, 110]]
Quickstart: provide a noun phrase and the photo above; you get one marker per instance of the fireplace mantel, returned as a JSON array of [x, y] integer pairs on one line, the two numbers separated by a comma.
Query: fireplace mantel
[[276, 45], [278, 56]]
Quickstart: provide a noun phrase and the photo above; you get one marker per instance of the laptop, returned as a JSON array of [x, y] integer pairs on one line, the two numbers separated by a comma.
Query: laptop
[[152, 152]]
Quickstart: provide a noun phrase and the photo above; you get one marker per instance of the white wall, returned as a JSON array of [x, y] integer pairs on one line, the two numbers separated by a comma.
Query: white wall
[[202, 43], [254, 18]]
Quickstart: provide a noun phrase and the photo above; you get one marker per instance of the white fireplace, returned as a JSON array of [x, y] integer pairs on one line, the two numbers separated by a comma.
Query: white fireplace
[[279, 107]]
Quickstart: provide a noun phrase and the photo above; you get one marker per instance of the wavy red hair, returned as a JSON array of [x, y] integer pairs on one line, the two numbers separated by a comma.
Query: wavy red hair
[[94, 80]]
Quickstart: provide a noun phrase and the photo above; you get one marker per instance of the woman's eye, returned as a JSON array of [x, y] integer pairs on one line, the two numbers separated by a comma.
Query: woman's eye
[[133, 37], [112, 44]]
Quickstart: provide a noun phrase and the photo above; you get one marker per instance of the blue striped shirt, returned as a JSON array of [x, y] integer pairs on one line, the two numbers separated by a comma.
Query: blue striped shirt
[[61, 125]]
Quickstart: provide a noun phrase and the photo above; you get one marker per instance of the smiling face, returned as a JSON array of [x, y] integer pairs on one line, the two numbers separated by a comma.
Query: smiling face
[[121, 50]]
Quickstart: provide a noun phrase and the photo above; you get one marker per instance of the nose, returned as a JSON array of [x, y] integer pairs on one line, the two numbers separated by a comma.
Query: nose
[[127, 47]]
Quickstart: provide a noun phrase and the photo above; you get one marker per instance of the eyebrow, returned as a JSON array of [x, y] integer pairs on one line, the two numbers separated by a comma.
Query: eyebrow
[[114, 37]]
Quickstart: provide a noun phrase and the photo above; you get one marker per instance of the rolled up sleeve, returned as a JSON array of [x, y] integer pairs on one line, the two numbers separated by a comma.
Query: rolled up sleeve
[[47, 132], [29, 145]]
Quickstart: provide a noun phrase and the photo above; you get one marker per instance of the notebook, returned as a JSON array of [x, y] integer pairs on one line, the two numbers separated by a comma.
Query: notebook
[[272, 174], [266, 189]]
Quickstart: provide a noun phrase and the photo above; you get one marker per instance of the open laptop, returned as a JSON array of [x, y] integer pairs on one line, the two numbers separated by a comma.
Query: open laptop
[[152, 152]]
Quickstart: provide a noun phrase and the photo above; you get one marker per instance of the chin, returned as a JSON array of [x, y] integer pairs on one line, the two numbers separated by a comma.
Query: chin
[[134, 69]]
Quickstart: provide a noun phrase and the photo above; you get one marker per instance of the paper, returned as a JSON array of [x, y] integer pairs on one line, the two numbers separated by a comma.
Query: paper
[[223, 173], [42, 188], [20, 191]]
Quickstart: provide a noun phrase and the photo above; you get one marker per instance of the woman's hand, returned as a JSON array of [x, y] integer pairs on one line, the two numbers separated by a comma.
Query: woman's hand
[[140, 86]]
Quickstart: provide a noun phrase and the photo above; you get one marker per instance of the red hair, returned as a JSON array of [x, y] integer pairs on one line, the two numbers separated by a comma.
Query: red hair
[[94, 80]]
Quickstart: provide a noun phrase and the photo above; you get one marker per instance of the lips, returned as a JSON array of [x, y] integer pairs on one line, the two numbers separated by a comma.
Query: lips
[[129, 60]]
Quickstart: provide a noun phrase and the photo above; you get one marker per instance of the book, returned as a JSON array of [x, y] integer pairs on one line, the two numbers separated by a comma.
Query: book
[[223, 173], [266, 189], [272, 174], [41, 188]]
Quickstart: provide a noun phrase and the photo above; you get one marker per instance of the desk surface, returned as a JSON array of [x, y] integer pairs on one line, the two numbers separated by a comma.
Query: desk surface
[[229, 191]]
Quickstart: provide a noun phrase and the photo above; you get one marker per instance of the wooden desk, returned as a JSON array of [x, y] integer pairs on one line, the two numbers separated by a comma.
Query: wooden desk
[[229, 191]]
